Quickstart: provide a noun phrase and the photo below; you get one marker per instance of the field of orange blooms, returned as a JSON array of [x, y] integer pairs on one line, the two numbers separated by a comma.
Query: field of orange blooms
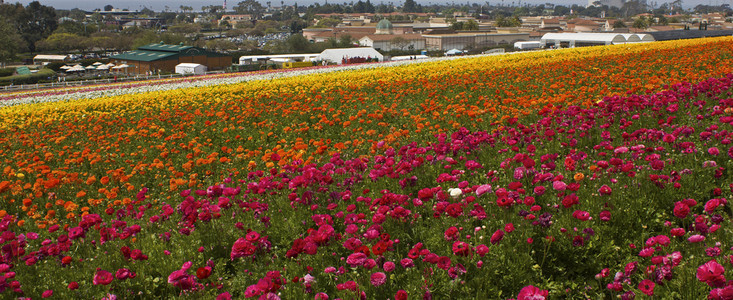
[[119, 158]]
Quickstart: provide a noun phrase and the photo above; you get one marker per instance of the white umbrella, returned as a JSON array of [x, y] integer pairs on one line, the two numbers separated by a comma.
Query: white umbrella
[[90, 67], [65, 67], [75, 69], [122, 66], [103, 67], [96, 64], [78, 66]]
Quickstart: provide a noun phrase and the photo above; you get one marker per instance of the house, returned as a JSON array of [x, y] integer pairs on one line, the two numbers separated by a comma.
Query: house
[[467, 40]]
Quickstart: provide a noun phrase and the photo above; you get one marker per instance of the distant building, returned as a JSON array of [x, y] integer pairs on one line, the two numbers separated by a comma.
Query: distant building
[[161, 57], [387, 42], [465, 40], [384, 27]]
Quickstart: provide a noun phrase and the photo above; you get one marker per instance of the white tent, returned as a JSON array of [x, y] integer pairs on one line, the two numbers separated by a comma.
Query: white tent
[[75, 69], [341, 54], [103, 67], [96, 64], [645, 38], [631, 38], [583, 39], [190, 68], [122, 66]]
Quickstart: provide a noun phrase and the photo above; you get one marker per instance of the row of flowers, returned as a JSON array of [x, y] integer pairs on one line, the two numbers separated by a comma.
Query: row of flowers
[[610, 200]]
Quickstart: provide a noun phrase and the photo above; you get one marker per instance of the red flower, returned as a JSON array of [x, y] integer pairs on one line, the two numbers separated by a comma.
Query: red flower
[[497, 236], [647, 287], [379, 248], [401, 295], [203, 272]]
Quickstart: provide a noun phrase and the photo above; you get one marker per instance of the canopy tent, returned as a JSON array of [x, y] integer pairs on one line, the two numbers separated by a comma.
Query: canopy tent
[[76, 69], [340, 55], [190, 69]]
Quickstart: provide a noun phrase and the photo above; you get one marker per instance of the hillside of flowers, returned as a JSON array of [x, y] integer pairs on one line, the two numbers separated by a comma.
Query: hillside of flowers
[[590, 173]]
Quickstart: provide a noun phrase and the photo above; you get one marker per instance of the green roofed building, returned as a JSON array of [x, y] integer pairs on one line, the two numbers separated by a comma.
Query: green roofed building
[[162, 57]]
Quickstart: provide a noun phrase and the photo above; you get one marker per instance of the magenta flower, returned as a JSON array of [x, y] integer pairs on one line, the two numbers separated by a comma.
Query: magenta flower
[[47, 293], [102, 277], [407, 263], [531, 292], [486, 188], [378, 279]]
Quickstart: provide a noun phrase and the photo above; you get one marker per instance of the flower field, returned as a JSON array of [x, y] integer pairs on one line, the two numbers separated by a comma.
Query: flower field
[[588, 173]]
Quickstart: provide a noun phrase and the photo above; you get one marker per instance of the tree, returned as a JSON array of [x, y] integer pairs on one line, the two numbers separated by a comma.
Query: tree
[[251, 7], [399, 42], [641, 23], [560, 10], [328, 22], [470, 25], [12, 43], [185, 8], [108, 7], [147, 12], [508, 22], [220, 45], [409, 6], [36, 23], [619, 24]]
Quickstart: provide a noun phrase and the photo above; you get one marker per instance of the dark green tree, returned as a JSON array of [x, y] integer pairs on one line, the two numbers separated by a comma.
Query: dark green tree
[[36, 23], [409, 6]]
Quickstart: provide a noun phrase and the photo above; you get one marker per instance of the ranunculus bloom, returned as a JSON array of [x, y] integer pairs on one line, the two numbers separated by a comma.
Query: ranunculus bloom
[[356, 259], [531, 292], [711, 273], [497, 236], [378, 279], [647, 287], [47, 293], [102, 277], [696, 238], [604, 190], [388, 266]]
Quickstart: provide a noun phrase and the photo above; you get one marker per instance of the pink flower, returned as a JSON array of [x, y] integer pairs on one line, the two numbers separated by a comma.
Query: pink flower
[[604, 190], [722, 293], [47, 293], [713, 151], [102, 277], [224, 296], [647, 287], [482, 250], [321, 296], [559, 185], [681, 210], [486, 188], [388, 266], [400, 295], [711, 273], [356, 259], [531, 292], [696, 238], [407, 263], [378, 279]]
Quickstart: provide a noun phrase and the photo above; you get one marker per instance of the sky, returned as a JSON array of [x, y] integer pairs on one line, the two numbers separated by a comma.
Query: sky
[[173, 5]]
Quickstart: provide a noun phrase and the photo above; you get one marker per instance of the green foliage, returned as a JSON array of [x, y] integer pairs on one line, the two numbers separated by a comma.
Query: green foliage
[[40, 76]]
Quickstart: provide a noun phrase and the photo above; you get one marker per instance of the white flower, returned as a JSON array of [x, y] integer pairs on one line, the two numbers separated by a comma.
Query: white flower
[[455, 192]]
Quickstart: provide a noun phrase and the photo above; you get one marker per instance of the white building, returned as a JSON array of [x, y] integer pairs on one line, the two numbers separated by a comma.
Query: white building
[[190, 69], [342, 54]]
